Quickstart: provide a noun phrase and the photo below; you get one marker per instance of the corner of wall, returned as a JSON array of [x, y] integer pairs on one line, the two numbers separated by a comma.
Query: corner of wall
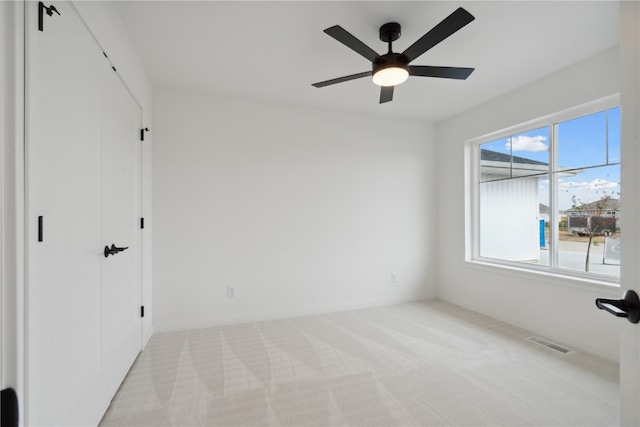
[[490, 291]]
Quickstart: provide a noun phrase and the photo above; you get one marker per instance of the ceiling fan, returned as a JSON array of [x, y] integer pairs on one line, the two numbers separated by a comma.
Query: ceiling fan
[[392, 68]]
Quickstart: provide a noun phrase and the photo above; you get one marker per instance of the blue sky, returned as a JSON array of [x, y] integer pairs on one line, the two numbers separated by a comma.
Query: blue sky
[[582, 143]]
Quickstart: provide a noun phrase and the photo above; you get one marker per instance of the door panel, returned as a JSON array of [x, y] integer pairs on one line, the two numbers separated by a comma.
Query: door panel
[[83, 332], [119, 183], [64, 269]]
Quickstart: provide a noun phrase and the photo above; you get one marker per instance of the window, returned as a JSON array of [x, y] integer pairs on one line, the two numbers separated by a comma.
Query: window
[[547, 195]]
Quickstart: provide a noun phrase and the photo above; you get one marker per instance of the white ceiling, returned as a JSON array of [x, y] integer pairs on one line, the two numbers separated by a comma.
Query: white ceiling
[[274, 50]]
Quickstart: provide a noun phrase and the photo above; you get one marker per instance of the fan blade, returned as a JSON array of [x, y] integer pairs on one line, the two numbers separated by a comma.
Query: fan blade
[[342, 79], [444, 72], [347, 39], [444, 29], [386, 94]]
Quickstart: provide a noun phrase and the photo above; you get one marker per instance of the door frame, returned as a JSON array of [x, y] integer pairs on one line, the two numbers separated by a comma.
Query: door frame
[[630, 267], [12, 191]]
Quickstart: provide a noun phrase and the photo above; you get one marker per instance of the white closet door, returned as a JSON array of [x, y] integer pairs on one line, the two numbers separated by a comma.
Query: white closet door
[[83, 324], [121, 275]]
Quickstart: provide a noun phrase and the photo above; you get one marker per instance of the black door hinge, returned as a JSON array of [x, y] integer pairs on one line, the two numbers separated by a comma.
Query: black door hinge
[[40, 229], [142, 131], [141, 222], [41, 11], [142, 311]]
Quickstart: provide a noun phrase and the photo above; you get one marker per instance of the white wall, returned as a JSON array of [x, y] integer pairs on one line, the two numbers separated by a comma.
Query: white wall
[[555, 308], [105, 24], [303, 210]]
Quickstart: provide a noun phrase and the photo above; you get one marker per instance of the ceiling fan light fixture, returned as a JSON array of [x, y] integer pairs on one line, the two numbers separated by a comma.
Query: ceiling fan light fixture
[[390, 76]]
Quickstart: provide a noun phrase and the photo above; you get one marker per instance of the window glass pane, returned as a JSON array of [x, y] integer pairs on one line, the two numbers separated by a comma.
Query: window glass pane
[[510, 220], [614, 135], [544, 218], [516, 156], [530, 152], [590, 205], [582, 141], [495, 160]]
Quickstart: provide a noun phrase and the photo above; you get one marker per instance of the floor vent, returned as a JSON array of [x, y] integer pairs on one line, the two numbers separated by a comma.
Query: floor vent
[[550, 345]]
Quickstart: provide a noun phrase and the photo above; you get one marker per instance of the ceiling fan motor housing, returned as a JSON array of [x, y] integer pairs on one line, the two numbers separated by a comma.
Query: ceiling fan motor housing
[[396, 60]]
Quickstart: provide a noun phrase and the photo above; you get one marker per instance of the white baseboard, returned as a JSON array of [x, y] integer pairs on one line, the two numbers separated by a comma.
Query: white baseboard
[[161, 327]]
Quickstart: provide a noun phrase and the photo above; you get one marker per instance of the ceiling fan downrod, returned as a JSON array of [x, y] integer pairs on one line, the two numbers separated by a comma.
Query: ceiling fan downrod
[[389, 33]]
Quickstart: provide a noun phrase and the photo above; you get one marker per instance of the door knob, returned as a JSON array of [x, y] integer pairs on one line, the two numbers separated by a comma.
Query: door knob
[[628, 306], [113, 250]]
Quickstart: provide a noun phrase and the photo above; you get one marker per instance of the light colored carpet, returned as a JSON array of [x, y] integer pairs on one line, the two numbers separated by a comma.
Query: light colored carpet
[[427, 363]]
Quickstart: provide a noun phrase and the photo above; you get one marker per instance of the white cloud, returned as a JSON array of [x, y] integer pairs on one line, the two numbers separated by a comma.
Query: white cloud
[[596, 184], [585, 191], [527, 143]]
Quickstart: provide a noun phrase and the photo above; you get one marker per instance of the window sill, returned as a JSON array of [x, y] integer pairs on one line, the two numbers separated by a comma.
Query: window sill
[[596, 284]]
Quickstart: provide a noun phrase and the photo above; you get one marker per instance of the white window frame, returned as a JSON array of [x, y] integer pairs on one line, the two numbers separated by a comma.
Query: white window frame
[[472, 150]]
